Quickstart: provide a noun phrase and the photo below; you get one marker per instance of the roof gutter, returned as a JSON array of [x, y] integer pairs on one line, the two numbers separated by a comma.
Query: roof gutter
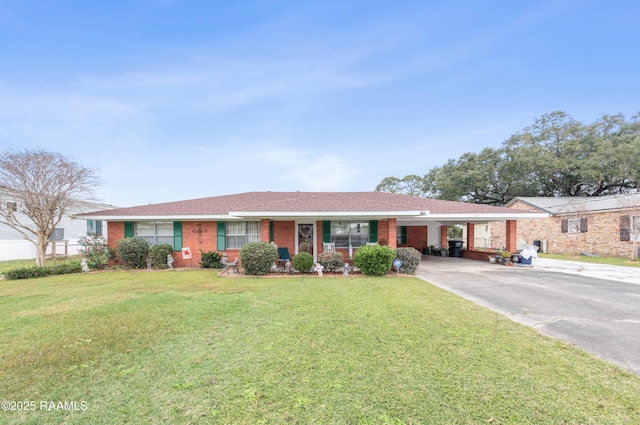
[[155, 217], [489, 216], [329, 214]]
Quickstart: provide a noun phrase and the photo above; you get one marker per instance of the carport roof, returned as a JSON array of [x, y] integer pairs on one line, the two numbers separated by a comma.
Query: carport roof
[[288, 205]]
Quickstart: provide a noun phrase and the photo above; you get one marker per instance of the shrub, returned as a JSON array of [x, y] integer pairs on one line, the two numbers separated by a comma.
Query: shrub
[[303, 262], [72, 267], [374, 259], [158, 255], [258, 257], [410, 258], [36, 271], [210, 260], [133, 252], [331, 261], [27, 273], [95, 250]]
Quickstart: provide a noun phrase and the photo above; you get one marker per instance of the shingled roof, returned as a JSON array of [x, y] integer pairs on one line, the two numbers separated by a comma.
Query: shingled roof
[[308, 204]]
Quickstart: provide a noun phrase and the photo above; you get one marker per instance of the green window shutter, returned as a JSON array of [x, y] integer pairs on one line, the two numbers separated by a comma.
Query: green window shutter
[[222, 236], [373, 231], [128, 229], [326, 231], [271, 231], [177, 235], [403, 235]]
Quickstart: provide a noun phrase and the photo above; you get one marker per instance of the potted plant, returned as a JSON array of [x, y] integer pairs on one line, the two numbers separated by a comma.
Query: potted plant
[[503, 256]]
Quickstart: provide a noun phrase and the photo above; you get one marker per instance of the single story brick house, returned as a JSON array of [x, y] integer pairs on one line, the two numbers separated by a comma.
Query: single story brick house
[[602, 225], [302, 221]]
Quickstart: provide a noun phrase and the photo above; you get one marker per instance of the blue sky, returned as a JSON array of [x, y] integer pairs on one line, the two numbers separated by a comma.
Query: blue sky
[[175, 100]]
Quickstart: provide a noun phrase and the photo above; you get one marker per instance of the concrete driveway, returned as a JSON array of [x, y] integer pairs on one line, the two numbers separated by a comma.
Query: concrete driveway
[[595, 307]]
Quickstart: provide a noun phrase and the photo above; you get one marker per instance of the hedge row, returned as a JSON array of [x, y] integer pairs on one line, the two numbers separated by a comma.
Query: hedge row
[[36, 271]]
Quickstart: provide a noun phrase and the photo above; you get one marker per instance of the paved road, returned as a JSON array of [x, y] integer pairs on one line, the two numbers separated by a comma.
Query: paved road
[[597, 308]]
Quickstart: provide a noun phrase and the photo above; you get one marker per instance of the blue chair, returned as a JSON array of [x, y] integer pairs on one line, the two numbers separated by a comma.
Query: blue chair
[[283, 257]]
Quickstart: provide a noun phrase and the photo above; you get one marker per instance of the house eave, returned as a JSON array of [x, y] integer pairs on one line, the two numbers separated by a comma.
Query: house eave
[[328, 214], [158, 217], [487, 217]]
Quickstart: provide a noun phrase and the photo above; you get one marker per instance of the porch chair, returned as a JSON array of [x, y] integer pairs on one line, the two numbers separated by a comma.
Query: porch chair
[[329, 246], [283, 257]]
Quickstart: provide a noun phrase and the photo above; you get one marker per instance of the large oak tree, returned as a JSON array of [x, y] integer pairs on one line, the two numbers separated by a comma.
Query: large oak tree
[[555, 156]]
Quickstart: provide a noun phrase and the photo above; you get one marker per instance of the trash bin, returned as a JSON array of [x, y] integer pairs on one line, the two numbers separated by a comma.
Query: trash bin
[[455, 249], [525, 260], [528, 253]]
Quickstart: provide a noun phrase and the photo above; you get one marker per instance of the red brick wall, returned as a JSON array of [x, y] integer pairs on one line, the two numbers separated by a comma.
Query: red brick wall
[[471, 235], [202, 235], [417, 237], [115, 232], [444, 237], [383, 230], [392, 232], [284, 235], [203, 238]]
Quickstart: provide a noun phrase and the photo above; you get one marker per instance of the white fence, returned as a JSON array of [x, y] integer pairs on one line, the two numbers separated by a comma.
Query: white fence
[[25, 250]]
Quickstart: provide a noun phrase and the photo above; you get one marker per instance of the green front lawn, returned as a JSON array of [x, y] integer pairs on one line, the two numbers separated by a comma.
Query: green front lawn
[[180, 347]]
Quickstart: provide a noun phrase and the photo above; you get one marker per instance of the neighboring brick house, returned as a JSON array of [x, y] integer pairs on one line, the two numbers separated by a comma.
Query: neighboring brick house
[[602, 225], [301, 221]]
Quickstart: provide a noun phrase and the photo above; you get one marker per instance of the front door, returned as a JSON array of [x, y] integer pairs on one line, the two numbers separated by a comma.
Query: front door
[[305, 239]]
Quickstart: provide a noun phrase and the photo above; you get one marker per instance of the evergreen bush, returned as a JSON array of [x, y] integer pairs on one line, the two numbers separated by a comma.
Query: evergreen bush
[[37, 271], [210, 260], [158, 255], [303, 262], [331, 261], [69, 268], [374, 260], [133, 253], [410, 258], [258, 257]]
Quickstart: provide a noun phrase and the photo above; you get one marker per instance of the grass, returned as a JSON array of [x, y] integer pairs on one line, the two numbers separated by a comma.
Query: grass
[[186, 347], [613, 261]]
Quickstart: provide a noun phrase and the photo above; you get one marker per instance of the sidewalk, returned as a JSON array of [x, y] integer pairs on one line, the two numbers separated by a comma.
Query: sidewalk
[[603, 271]]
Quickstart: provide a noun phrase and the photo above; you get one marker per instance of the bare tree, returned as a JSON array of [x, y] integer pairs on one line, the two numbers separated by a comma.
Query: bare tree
[[42, 186], [577, 222]]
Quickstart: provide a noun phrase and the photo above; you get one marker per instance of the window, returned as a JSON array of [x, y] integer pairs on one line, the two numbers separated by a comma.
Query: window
[[241, 233], [401, 235], [57, 235], [94, 227], [12, 207], [574, 225], [635, 224], [154, 232], [349, 233]]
